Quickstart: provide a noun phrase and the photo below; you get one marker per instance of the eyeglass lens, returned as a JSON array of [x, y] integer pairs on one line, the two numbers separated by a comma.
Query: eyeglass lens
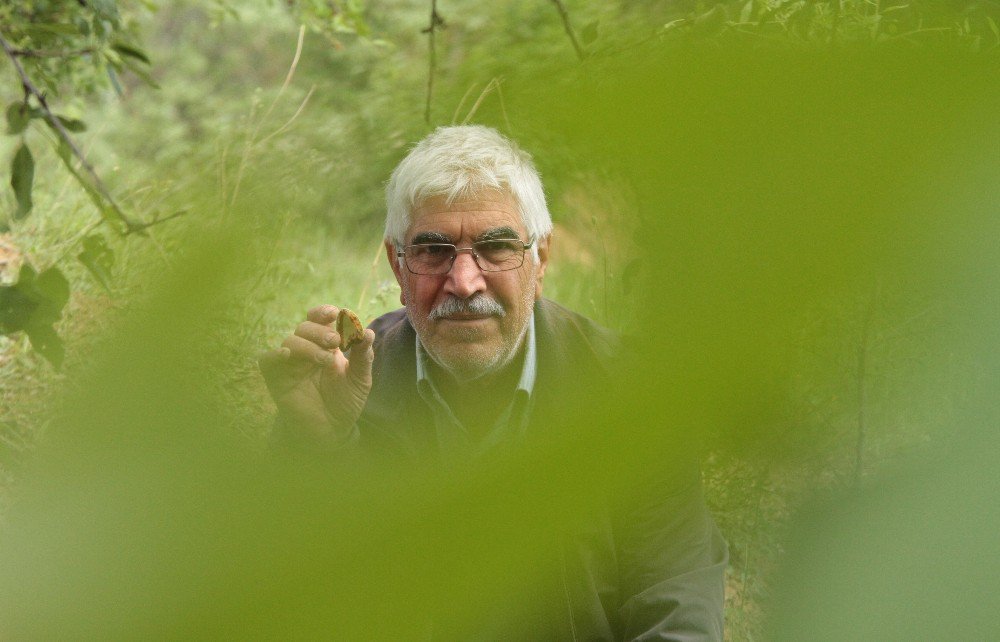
[[495, 255]]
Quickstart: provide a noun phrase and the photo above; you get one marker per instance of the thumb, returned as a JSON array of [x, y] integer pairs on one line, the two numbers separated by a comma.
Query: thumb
[[359, 368]]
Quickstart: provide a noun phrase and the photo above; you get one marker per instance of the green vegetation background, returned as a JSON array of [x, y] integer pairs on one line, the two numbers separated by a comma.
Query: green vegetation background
[[275, 150]]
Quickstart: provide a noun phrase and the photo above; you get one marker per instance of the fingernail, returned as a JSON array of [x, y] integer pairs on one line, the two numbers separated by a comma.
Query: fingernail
[[324, 359]]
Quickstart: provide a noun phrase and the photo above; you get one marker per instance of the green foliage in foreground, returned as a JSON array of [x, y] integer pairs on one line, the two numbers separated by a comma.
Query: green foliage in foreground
[[852, 378], [144, 515]]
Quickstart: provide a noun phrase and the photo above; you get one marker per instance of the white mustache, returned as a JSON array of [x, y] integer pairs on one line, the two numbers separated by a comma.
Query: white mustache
[[478, 305]]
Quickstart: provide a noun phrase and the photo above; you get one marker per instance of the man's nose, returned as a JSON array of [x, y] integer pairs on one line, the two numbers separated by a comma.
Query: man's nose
[[465, 278]]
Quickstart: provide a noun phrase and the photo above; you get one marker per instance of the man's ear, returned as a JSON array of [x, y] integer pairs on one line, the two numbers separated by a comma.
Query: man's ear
[[390, 253], [543, 260]]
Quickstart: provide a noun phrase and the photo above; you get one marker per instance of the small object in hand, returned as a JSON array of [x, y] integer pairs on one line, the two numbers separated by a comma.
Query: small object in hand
[[350, 329]]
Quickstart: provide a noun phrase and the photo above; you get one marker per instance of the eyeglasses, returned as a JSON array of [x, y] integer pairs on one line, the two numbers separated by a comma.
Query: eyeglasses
[[494, 255]]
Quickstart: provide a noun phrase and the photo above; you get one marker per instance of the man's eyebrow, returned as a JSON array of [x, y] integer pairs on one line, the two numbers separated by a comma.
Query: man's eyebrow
[[430, 237], [498, 233]]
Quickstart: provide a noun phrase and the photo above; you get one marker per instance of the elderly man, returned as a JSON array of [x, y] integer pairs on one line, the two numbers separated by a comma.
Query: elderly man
[[473, 362]]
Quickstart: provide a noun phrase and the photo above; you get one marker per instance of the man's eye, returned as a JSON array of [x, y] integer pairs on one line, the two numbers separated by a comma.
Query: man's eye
[[434, 250], [429, 250], [498, 245]]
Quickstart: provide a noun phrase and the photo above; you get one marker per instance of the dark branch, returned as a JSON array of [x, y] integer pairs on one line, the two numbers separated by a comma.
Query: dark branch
[[41, 53], [436, 21], [53, 120], [141, 227], [569, 29]]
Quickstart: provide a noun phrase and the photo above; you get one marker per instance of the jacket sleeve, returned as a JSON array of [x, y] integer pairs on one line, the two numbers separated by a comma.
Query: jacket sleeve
[[672, 562]]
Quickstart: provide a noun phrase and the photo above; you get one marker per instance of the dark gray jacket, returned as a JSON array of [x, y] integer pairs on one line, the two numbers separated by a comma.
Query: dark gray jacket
[[644, 567]]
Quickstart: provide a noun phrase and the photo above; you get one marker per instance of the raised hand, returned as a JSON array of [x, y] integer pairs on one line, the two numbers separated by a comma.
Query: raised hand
[[319, 391]]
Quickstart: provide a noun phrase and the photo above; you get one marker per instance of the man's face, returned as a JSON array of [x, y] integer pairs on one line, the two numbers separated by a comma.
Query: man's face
[[461, 331]]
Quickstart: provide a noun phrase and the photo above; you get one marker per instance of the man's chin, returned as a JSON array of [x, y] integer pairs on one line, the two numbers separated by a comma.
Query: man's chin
[[469, 366], [467, 330]]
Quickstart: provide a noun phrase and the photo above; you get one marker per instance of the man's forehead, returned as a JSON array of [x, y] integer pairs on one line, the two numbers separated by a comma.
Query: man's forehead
[[439, 205], [466, 216]]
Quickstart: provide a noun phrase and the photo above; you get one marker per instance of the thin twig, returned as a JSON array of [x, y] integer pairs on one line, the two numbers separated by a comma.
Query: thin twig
[[490, 86], [42, 53], [569, 29], [863, 347], [291, 120], [371, 274], [291, 71], [98, 184], [252, 137], [157, 221], [503, 107], [461, 103], [435, 22]]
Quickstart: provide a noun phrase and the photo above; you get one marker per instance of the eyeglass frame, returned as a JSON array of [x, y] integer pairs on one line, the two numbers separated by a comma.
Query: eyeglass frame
[[471, 250]]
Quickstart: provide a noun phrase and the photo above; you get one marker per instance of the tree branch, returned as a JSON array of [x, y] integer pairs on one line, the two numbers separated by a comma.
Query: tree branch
[[30, 90], [42, 53], [569, 29], [139, 227], [435, 22]]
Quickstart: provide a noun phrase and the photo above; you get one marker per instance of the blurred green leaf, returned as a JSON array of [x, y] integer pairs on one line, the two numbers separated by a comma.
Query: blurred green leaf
[[589, 33], [98, 258], [131, 52], [115, 83], [994, 28], [33, 305], [18, 117], [73, 124], [107, 9], [58, 29], [82, 25], [54, 290], [22, 177], [138, 71]]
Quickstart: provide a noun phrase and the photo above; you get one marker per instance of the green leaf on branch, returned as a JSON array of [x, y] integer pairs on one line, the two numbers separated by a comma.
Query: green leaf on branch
[[22, 177], [98, 258], [72, 124], [69, 124], [18, 117], [113, 77], [33, 305], [589, 33], [131, 52], [57, 28], [140, 72]]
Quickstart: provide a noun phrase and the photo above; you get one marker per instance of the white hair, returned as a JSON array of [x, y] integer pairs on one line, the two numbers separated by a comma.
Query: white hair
[[461, 162]]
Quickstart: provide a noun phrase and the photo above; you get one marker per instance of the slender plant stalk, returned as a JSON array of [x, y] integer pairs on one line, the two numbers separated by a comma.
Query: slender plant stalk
[[435, 22], [569, 29], [252, 141], [43, 53], [371, 275], [864, 344], [490, 86], [461, 103]]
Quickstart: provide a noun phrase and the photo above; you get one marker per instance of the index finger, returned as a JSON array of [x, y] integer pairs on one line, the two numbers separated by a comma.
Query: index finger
[[323, 314]]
